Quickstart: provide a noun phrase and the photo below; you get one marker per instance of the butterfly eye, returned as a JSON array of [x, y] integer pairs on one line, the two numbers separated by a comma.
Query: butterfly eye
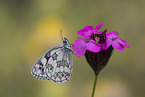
[[65, 41]]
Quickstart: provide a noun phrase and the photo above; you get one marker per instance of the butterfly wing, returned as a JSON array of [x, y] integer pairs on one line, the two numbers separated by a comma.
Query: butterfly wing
[[38, 70], [55, 65], [59, 66]]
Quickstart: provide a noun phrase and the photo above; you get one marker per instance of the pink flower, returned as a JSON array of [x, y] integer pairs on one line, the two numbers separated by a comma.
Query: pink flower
[[81, 45], [97, 53], [112, 39], [89, 31]]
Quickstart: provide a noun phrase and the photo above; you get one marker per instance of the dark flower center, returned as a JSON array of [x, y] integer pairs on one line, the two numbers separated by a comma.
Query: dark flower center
[[113, 39]]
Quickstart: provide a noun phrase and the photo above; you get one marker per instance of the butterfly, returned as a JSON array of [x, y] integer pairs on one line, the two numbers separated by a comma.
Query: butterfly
[[56, 64]]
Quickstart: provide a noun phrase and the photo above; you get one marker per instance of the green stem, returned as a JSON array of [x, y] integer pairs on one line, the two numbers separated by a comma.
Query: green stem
[[94, 87]]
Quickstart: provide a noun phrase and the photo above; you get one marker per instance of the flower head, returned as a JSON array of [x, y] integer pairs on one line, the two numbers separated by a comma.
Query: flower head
[[97, 53]]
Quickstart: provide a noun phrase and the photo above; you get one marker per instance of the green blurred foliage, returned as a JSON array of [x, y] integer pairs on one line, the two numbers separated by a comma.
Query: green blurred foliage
[[28, 28]]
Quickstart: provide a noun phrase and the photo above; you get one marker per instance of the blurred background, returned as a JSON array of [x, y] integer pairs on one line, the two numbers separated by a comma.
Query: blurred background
[[29, 28]]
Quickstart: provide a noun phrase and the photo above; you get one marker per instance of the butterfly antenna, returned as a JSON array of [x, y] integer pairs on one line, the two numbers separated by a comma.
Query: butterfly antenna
[[61, 34]]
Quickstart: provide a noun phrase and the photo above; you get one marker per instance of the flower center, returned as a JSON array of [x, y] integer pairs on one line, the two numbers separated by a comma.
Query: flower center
[[113, 39], [88, 40]]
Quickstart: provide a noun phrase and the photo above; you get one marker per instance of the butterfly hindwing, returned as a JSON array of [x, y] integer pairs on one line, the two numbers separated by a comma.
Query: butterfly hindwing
[[59, 66], [38, 70]]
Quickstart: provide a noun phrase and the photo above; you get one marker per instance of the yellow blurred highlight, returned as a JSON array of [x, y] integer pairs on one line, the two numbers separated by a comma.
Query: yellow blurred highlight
[[46, 35], [48, 29]]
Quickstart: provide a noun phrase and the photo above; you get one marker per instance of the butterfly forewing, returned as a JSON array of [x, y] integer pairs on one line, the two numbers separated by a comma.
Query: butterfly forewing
[[55, 65]]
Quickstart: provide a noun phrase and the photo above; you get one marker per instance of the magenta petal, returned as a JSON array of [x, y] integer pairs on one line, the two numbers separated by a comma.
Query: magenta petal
[[86, 32], [93, 46], [80, 53], [89, 31], [98, 27], [81, 32], [112, 35], [79, 47], [117, 46], [122, 42], [89, 28], [107, 43]]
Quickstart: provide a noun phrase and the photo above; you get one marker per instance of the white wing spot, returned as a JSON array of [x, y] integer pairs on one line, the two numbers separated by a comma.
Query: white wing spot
[[57, 79], [57, 69], [61, 68], [43, 61]]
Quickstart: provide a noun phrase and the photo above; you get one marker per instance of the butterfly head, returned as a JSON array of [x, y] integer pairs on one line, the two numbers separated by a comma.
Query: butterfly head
[[66, 44]]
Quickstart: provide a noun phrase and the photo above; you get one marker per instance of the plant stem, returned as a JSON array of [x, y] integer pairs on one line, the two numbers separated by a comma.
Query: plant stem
[[94, 87]]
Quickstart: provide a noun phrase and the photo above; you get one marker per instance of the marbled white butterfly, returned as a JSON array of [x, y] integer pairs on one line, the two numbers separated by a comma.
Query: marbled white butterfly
[[56, 64]]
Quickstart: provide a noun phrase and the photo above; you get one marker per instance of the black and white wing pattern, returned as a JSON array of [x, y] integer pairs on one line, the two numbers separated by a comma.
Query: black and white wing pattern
[[55, 65]]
